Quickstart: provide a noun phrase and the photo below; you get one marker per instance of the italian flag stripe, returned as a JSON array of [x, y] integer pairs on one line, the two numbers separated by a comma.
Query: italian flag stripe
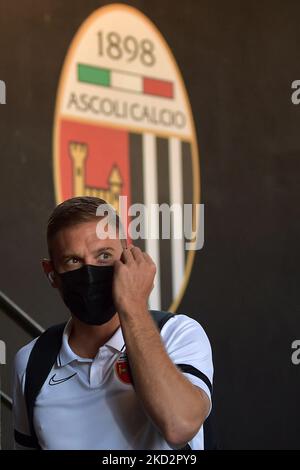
[[124, 81], [93, 75], [163, 88]]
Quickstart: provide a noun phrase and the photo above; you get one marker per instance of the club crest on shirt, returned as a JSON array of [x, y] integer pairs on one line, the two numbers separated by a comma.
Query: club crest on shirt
[[122, 369]]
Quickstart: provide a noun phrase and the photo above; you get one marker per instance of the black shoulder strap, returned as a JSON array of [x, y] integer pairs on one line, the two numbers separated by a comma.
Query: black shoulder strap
[[40, 362], [160, 318]]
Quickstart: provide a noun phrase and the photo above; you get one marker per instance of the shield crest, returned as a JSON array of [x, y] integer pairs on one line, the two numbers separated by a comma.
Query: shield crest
[[122, 369], [123, 127]]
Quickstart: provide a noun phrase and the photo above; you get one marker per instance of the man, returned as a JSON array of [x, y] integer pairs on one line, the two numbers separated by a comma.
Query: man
[[115, 383]]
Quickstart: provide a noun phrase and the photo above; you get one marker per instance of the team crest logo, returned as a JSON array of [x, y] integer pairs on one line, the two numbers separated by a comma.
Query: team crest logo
[[122, 369], [123, 127]]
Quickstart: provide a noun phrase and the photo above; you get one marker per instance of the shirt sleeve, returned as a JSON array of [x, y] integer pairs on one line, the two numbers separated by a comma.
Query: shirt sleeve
[[188, 346], [20, 420]]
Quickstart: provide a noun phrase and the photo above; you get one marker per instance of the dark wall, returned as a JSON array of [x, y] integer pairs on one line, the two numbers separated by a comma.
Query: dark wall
[[238, 60]]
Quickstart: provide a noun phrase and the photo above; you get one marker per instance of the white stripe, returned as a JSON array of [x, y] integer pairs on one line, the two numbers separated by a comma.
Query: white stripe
[[126, 81], [176, 197], [151, 226]]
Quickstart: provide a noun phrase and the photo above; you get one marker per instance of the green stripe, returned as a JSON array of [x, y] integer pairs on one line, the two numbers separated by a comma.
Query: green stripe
[[94, 75]]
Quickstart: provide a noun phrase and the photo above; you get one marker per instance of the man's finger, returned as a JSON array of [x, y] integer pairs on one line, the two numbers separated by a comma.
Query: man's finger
[[148, 258], [137, 253], [127, 256]]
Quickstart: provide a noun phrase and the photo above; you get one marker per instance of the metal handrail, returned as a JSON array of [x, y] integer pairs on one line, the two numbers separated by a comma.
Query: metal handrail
[[12, 308], [20, 315], [6, 398]]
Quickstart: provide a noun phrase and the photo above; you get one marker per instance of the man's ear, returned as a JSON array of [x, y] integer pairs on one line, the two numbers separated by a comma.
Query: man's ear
[[49, 271]]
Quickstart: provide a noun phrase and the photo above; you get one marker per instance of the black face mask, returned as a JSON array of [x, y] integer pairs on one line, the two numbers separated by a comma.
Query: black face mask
[[87, 292]]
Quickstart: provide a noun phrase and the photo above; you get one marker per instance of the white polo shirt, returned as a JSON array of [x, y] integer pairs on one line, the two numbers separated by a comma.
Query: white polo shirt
[[92, 404]]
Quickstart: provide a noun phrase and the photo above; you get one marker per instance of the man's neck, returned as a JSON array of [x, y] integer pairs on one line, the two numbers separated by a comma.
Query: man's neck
[[85, 340]]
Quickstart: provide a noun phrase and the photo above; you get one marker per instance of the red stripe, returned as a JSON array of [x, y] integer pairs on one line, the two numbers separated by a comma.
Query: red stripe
[[107, 147], [151, 86]]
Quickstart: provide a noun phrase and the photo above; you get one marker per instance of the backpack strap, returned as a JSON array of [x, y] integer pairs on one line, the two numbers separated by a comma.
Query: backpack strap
[[40, 362], [160, 318]]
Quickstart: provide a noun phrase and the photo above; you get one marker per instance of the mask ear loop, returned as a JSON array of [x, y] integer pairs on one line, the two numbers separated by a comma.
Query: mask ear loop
[[51, 277]]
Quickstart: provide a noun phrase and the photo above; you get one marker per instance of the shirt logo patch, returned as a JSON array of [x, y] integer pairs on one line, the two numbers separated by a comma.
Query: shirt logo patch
[[52, 381], [122, 369]]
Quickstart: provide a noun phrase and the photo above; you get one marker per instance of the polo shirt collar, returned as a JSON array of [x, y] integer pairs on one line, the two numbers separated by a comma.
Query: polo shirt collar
[[67, 355]]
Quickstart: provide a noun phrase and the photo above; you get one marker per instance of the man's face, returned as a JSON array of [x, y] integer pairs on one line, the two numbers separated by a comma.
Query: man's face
[[75, 246]]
